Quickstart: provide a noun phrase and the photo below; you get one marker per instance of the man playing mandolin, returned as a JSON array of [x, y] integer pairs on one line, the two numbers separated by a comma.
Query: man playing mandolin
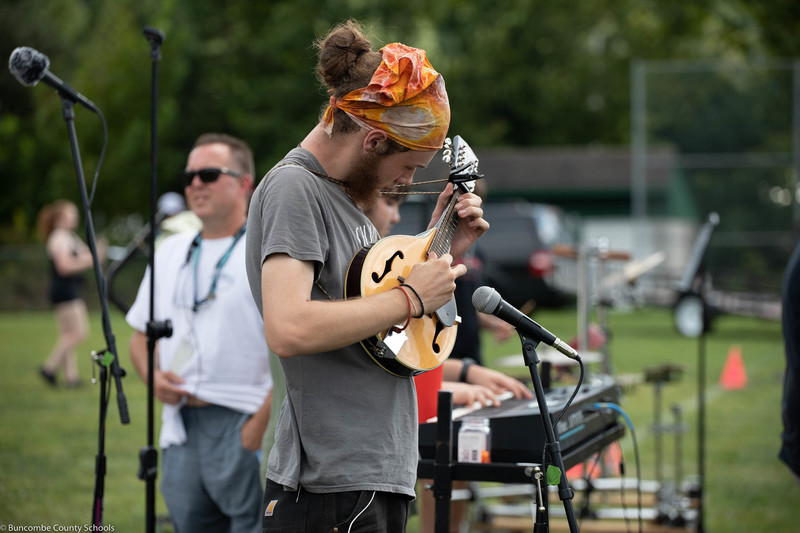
[[345, 451]]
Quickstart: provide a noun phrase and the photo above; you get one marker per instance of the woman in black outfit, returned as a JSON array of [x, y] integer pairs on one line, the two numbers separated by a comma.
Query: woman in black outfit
[[69, 258]]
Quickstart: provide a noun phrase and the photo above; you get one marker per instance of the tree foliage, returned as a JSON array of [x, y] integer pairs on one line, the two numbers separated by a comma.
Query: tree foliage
[[519, 73]]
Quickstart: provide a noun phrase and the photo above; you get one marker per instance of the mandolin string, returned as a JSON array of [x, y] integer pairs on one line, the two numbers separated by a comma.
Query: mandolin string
[[441, 242], [411, 191], [438, 244]]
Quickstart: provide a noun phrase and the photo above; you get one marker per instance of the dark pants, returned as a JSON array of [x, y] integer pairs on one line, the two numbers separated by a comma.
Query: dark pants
[[790, 437], [339, 512]]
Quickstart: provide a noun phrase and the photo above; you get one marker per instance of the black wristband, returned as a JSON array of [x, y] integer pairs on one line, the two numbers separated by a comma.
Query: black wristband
[[468, 362], [421, 305]]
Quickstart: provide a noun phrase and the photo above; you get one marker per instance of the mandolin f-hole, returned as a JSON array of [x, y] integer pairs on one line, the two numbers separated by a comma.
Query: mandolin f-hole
[[387, 267], [434, 344]]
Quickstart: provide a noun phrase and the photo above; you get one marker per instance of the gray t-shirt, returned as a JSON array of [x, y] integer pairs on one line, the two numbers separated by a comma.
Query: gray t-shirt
[[345, 423]]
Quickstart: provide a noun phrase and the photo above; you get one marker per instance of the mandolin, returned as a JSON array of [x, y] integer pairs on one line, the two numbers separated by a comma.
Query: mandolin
[[427, 341]]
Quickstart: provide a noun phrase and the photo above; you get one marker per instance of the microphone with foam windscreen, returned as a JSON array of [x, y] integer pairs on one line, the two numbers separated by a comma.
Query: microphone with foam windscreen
[[30, 67], [488, 301]]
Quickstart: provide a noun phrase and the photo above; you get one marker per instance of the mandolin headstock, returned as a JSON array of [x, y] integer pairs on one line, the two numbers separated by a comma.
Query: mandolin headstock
[[462, 161]]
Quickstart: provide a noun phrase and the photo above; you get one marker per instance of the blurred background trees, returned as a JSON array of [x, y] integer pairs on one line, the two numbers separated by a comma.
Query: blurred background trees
[[519, 73]]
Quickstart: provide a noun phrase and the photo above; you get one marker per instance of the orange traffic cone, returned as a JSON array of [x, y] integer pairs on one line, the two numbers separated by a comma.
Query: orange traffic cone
[[733, 376]]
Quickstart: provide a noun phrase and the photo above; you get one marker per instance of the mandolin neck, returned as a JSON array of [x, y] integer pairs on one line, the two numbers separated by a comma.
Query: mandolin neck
[[446, 227]]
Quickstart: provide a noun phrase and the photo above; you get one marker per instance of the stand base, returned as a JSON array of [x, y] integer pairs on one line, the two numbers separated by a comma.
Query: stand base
[[558, 524], [611, 509]]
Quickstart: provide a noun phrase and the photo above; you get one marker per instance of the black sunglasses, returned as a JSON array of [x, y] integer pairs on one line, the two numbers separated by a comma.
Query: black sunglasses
[[207, 175]]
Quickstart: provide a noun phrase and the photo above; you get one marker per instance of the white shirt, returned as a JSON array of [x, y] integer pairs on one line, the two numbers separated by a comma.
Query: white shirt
[[219, 349]]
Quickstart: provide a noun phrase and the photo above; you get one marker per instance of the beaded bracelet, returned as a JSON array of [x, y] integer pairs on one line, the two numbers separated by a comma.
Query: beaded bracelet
[[418, 298]]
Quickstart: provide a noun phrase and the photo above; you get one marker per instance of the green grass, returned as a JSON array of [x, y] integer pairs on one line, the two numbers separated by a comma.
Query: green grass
[[746, 487], [49, 437]]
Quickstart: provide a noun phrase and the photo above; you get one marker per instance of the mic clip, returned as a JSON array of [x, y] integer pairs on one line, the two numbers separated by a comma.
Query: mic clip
[[153, 35], [529, 350]]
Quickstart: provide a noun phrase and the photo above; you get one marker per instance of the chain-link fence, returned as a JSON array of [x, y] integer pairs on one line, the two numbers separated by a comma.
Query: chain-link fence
[[735, 128]]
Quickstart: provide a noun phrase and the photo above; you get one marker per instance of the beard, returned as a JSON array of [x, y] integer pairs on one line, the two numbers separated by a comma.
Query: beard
[[362, 180]]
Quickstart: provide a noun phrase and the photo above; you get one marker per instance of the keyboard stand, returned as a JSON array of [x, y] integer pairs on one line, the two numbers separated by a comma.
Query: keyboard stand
[[443, 470]]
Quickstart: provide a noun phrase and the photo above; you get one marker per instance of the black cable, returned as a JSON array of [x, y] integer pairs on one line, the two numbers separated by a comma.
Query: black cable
[[622, 490], [102, 154], [563, 410], [574, 392], [628, 421]]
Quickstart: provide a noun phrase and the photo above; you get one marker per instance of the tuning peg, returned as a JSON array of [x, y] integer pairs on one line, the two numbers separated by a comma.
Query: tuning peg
[[447, 151]]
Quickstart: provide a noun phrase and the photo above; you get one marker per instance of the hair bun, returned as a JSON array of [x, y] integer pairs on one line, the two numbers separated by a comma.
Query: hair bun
[[341, 66]]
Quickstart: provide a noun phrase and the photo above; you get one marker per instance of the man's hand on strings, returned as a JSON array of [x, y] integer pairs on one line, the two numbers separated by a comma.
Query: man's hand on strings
[[471, 222]]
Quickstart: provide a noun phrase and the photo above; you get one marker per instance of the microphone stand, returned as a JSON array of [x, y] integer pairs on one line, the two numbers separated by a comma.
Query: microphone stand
[[113, 269], [694, 276], [552, 445], [107, 358], [148, 455], [701, 403]]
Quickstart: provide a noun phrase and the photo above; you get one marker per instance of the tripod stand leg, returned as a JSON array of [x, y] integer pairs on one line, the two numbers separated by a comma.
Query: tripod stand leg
[[442, 480], [552, 445]]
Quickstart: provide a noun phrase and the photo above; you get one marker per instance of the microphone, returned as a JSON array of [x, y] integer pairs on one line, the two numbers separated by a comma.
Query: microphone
[[30, 67], [488, 301], [169, 204], [154, 35]]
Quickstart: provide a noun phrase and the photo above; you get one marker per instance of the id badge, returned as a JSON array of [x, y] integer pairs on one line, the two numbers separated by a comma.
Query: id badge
[[183, 354]]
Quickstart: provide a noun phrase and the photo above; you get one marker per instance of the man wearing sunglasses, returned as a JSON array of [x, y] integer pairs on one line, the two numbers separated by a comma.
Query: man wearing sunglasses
[[212, 374], [345, 452]]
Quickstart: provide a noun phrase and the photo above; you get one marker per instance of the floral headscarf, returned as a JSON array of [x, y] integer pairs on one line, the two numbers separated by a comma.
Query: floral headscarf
[[406, 98]]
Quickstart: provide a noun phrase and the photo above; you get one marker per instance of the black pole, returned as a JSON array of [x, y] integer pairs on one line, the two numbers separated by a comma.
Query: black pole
[[443, 476], [107, 359], [700, 276], [148, 455], [552, 445], [701, 421], [695, 276], [100, 459]]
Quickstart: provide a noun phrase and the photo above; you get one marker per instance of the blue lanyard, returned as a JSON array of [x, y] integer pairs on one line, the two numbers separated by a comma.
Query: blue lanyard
[[195, 252]]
